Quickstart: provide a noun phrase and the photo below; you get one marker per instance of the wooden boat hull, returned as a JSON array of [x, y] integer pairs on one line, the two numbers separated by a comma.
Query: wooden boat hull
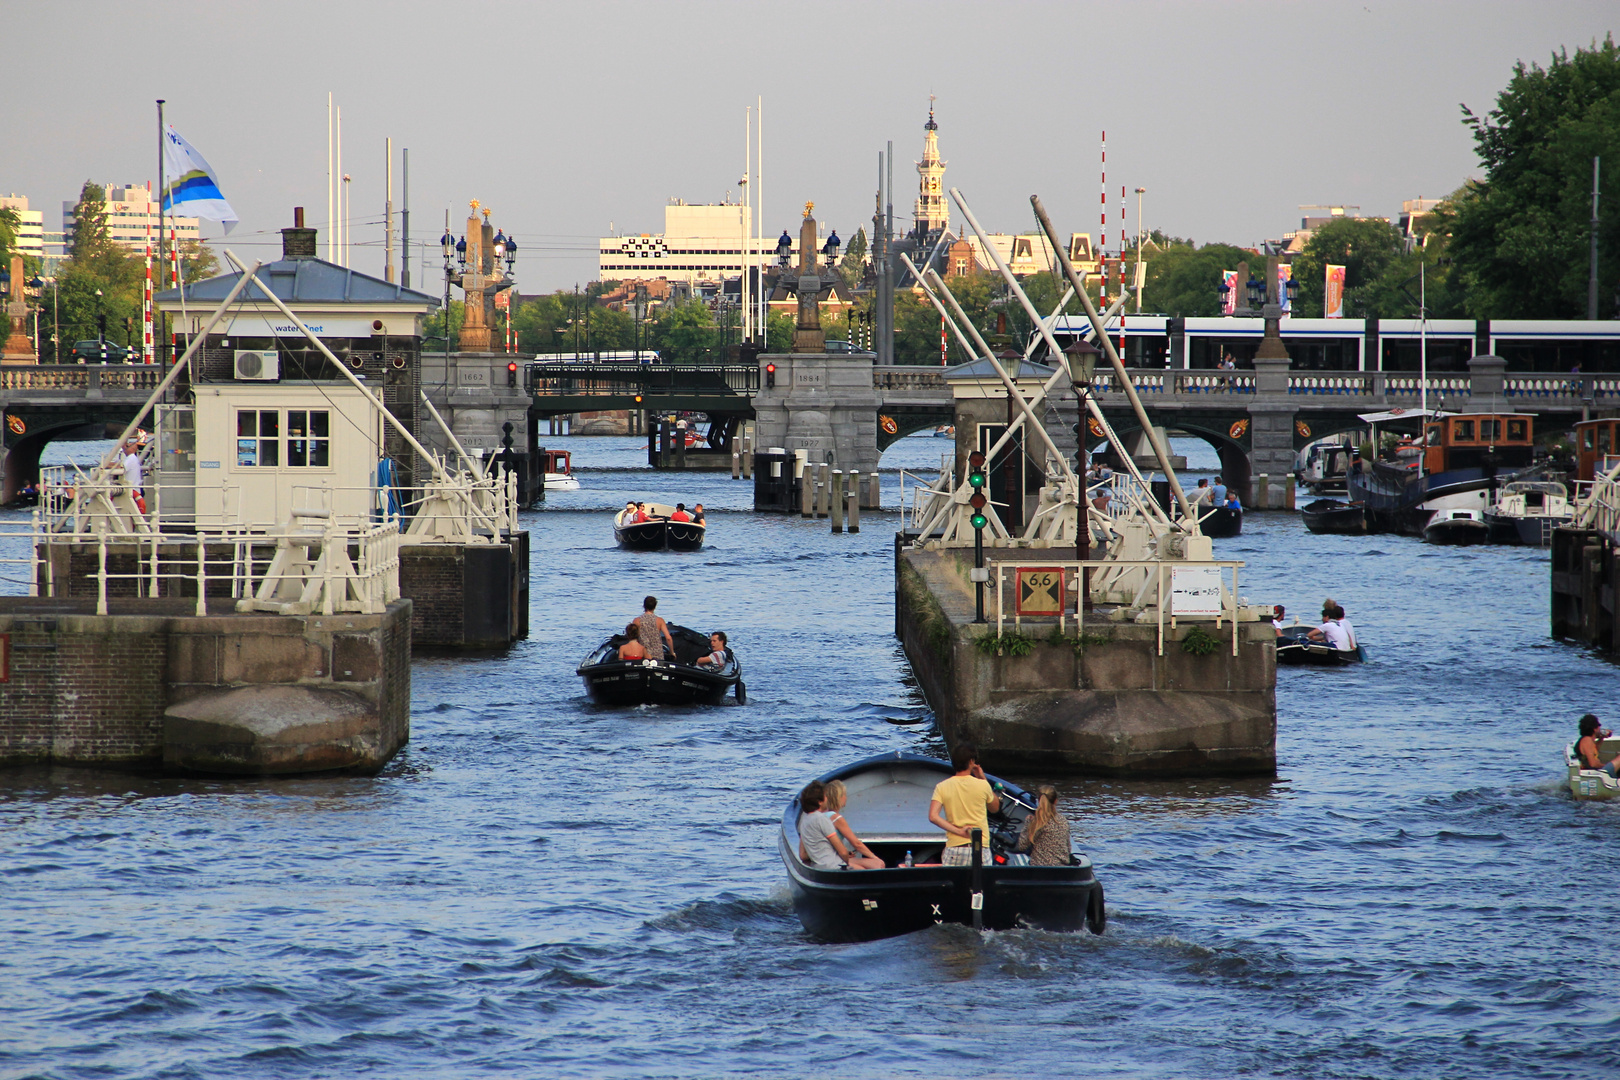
[[1329, 516], [677, 681], [864, 905], [1295, 649]]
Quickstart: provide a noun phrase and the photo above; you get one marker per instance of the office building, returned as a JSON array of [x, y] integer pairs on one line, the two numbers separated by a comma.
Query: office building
[[130, 209]]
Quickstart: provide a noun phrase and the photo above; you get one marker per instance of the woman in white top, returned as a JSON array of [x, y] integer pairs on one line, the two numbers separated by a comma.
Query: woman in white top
[[836, 797]]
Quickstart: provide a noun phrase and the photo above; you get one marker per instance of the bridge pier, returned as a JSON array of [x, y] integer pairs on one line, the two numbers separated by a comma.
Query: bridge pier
[[823, 404]]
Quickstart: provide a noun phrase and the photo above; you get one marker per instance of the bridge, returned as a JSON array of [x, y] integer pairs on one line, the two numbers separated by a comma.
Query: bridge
[[52, 401]]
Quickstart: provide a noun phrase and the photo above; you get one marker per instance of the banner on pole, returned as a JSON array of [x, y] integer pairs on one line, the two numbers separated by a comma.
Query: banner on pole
[[1285, 274], [1229, 292], [1333, 294]]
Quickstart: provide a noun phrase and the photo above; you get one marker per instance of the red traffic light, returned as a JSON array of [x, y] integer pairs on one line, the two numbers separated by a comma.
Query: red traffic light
[[977, 501], [511, 366], [770, 369], [976, 459]]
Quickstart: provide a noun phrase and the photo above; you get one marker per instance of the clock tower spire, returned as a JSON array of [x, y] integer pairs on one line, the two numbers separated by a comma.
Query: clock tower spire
[[932, 214]]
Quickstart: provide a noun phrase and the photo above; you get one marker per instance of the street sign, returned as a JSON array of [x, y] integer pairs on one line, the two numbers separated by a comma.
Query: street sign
[[1195, 590], [1040, 590]]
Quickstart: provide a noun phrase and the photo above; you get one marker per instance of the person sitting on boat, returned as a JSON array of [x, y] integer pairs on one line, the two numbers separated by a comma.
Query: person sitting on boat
[[652, 631], [629, 514], [1277, 619], [962, 803], [680, 513], [632, 649], [1046, 832], [717, 653], [1592, 732], [1232, 502], [640, 516], [697, 514], [1217, 492], [1344, 621], [819, 845], [1330, 632], [1200, 494], [833, 801]]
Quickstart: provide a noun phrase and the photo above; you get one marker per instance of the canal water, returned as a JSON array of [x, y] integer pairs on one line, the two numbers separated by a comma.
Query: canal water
[[539, 887]]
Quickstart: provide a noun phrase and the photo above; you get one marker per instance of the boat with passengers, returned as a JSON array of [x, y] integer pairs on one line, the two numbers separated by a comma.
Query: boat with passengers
[[887, 807], [659, 532], [675, 680]]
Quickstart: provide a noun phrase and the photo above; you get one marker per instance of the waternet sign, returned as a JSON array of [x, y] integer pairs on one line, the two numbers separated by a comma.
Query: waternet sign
[[256, 327]]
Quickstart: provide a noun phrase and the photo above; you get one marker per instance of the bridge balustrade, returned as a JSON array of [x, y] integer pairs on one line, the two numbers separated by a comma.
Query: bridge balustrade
[[617, 380], [904, 378], [81, 377], [1579, 387]]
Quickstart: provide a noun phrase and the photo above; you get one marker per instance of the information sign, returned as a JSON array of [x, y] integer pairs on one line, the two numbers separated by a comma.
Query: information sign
[[1195, 590], [1040, 590]]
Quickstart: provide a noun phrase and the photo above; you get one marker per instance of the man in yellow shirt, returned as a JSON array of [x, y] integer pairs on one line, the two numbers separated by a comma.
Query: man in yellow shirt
[[962, 803]]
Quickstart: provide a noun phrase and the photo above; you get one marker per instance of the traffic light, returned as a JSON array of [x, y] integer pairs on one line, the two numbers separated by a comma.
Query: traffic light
[[638, 399], [511, 373], [770, 375], [976, 480]]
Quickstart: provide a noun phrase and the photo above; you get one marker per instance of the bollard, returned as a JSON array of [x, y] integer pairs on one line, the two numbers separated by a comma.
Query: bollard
[[748, 459], [874, 493], [835, 501], [823, 488], [736, 460], [1288, 490], [1262, 494], [806, 473], [855, 502]]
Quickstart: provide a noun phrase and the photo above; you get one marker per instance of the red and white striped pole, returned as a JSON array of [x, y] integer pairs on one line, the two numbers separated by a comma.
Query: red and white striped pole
[[1122, 269], [146, 302], [1102, 235], [174, 283], [942, 342]]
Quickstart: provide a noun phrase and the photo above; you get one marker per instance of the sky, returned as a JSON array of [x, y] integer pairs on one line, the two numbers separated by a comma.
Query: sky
[[569, 119]]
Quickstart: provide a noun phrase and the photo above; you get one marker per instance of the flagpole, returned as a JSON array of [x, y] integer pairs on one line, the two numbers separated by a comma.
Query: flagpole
[[160, 189], [331, 222]]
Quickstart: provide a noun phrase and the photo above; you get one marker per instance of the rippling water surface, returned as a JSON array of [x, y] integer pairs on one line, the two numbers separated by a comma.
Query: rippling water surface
[[539, 887]]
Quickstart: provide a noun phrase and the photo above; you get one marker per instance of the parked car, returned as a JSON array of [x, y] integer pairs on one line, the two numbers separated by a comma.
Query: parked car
[[90, 352], [836, 346]]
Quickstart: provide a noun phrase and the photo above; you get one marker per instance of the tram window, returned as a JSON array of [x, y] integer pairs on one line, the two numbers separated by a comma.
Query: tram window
[[1462, 430], [1516, 432]]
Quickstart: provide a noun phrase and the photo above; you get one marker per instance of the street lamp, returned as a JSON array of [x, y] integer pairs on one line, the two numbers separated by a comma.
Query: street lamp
[[101, 327], [1081, 359], [511, 253], [830, 249], [784, 249], [461, 252], [37, 286]]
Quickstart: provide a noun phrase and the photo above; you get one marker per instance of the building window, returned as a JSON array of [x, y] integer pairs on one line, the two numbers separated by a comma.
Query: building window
[[309, 438], [258, 438]]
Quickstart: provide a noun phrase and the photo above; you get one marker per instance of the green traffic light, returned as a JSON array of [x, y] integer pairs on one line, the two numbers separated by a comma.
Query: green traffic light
[[978, 521], [976, 479]]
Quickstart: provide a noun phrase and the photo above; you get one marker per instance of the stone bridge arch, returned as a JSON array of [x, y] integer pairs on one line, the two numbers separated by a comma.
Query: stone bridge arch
[[41, 427], [1231, 436]]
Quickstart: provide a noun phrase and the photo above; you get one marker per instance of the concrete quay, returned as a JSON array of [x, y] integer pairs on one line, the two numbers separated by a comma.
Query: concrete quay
[[1107, 704], [152, 685]]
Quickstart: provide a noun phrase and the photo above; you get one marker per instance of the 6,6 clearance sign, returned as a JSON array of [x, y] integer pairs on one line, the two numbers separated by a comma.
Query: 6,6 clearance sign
[[1039, 590]]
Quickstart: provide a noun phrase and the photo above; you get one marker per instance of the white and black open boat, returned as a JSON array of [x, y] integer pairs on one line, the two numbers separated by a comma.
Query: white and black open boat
[[677, 680], [1295, 647], [888, 809], [658, 534], [1456, 527], [1332, 516], [1221, 521]]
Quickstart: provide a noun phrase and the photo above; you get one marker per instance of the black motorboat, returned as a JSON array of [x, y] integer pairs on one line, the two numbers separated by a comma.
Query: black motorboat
[[677, 680], [659, 533], [1333, 516], [1456, 527], [888, 809], [1221, 521], [1294, 647]]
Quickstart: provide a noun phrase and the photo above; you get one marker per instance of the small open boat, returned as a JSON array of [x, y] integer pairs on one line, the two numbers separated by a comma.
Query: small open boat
[[1456, 527], [558, 466], [659, 534], [1294, 647], [1592, 783], [1221, 521], [680, 680], [888, 809], [1330, 516]]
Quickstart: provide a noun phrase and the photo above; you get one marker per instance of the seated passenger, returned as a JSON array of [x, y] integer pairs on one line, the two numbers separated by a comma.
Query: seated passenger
[[641, 513], [1277, 619], [632, 649], [819, 845], [1046, 832], [629, 514], [680, 513], [717, 645], [697, 514], [833, 802], [1330, 632], [1587, 748], [1232, 502]]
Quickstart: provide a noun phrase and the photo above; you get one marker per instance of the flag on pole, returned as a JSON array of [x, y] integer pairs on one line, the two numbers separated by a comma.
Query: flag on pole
[[1229, 294], [1285, 273], [194, 189], [146, 301], [1333, 296]]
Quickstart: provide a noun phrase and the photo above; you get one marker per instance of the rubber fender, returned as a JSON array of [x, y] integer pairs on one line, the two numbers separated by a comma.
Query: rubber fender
[[1096, 911]]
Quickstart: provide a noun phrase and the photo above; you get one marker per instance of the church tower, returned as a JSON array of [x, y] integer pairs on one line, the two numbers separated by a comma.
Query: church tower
[[932, 215]]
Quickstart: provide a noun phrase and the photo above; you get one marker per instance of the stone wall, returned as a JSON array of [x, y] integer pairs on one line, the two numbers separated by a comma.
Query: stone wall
[[152, 684]]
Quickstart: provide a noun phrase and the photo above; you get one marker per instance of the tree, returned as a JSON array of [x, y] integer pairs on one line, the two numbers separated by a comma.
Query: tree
[[433, 327], [1369, 250], [685, 333], [90, 236], [1519, 238], [9, 224], [1184, 280], [852, 268], [197, 262]]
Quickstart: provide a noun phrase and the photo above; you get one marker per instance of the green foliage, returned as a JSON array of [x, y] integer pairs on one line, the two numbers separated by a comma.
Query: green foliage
[[1375, 268], [1078, 642], [686, 333], [1519, 238], [197, 262], [90, 236], [1010, 643], [852, 267], [778, 332], [433, 327], [9, 224], [916, 320], [1199, 642], [1184, 280]]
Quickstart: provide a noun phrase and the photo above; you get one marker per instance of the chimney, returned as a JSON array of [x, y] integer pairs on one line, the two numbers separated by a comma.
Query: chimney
[[298, 242]]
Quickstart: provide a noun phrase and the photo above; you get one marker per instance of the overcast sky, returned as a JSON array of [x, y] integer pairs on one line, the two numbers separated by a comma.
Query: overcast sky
[[566, 118]]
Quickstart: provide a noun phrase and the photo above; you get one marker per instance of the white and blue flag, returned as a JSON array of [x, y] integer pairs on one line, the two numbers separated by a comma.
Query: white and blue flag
[[192, 189]]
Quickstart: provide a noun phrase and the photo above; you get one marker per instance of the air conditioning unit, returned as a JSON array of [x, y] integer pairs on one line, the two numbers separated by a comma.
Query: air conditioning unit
[[258, 366]]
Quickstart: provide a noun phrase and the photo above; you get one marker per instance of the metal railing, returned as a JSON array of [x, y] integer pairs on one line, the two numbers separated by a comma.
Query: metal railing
[[1156, 579], [553, 379], [909, 378]]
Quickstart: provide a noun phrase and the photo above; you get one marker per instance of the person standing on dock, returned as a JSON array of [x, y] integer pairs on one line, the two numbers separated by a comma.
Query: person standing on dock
[[652, 631], [962, 803]]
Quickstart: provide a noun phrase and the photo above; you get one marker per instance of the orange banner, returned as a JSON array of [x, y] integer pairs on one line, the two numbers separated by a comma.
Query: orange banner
[[1333, 297]]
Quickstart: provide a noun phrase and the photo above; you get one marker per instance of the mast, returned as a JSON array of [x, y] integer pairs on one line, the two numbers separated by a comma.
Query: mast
[[331, 219], [405, 219], [388, 210], [162, 247], [1423, 369]]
